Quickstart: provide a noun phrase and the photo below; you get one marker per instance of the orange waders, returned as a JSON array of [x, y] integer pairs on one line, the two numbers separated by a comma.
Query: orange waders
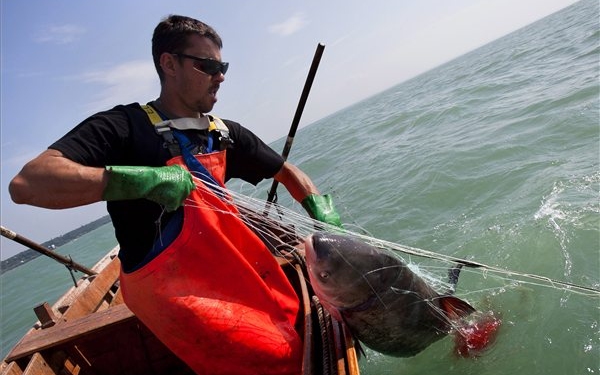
[[216, 296]]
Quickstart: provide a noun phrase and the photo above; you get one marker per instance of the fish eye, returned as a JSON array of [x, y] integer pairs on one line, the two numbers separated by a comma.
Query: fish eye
[[324, 275]]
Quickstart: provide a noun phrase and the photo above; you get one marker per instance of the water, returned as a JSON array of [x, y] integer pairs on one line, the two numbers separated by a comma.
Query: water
[[493, 157], [44, 280]]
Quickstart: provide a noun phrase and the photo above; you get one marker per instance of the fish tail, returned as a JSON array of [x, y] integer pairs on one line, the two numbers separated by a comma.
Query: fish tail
[[455, 308]]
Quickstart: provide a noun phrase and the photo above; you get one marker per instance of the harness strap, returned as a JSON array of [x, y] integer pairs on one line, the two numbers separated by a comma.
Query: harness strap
[[217, 130], [152, 114], [177, 141]]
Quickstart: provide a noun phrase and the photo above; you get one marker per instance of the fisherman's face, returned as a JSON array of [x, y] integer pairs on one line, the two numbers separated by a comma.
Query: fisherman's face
[[195, 88]]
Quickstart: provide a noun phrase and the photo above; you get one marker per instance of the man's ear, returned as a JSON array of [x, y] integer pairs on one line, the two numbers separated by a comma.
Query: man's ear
[[168, 63]]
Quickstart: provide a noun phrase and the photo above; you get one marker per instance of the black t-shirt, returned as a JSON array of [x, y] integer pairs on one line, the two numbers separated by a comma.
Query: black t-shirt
[[124, 135]]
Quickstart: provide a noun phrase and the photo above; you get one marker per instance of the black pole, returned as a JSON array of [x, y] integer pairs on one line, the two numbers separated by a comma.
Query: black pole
[[290, 138], [47, 252]]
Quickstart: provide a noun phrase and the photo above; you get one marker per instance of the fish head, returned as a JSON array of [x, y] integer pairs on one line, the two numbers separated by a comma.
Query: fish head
[[346, 272]]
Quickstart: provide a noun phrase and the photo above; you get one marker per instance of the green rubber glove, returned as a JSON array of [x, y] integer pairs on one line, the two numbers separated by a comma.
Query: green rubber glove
[[320, 207], [168, 186]]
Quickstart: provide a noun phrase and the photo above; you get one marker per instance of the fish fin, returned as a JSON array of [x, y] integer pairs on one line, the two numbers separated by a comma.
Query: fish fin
[[455, 307], [358, 347], [453, 274], [360, 351]]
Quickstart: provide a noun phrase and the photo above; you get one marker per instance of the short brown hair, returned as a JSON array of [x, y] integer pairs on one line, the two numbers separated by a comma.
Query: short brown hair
[[171, 36]]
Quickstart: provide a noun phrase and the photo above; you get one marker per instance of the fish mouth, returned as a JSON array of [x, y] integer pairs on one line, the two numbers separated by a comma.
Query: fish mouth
[[316, 253], [317, 247], [313, 257], [309, 248]]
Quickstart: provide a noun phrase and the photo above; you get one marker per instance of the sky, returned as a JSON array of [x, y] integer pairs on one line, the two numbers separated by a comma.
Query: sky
[[64, 60]]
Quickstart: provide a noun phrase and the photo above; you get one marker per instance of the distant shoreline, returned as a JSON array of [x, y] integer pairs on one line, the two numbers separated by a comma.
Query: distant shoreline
[[29, 254]]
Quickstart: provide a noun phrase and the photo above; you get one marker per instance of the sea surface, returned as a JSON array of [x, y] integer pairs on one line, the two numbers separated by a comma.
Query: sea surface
[[493, 157]]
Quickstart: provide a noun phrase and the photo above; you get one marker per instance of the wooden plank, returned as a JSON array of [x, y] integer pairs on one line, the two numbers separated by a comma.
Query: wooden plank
[[162, 360], [62, 363], [351, 355], [45, 315], [119, 350], [75, 362], [117, 298], [89, 300], [12, 369], [307, 363], [339, 348], [68, 331], [38, 366]]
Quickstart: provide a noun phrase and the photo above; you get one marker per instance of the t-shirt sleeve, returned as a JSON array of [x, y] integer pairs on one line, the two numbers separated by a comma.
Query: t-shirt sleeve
[[98, 141], [250, 158]]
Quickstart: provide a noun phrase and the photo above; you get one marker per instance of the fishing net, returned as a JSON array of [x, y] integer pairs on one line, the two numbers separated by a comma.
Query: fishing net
[[285, 229]]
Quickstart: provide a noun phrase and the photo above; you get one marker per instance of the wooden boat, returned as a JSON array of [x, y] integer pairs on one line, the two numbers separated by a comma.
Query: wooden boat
[[89, 330]]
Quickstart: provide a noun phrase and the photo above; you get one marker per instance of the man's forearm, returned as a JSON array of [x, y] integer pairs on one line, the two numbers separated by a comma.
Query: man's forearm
[[296, 182], [53, 181]]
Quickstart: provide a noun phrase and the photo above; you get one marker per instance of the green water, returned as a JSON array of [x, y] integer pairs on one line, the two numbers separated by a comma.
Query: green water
[[44, 280], [493, 157]]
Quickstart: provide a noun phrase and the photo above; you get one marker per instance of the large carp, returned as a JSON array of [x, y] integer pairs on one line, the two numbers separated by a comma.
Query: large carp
[[387, 307]]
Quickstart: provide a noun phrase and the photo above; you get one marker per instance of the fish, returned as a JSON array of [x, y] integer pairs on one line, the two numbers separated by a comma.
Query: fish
[[385, 305]]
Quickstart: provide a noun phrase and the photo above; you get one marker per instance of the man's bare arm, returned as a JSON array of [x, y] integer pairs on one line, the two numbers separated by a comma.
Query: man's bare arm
[[296, 182], [53, 181]]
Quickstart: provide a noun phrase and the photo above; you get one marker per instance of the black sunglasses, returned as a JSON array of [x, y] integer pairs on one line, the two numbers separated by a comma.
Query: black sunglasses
[[205, 65]]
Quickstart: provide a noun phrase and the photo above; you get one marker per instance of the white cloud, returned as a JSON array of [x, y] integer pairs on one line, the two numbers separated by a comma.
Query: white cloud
[[133, 81], [289, 26], [61, 34]]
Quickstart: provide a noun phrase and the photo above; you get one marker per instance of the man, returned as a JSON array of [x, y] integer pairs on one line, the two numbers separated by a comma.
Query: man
[[195, 275]]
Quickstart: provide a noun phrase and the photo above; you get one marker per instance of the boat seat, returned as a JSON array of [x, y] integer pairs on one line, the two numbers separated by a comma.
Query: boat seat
[[69, 331]]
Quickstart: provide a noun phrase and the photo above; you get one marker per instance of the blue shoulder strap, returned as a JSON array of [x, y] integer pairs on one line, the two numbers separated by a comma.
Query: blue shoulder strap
[[195, 167]]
